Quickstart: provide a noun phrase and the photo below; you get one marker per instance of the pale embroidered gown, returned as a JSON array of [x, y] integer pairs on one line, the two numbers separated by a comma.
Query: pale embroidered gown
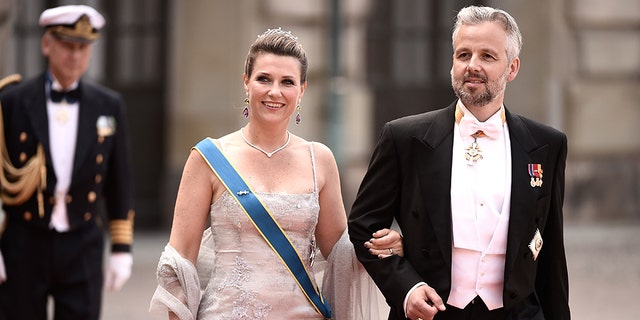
[[241, 275], [242, 278], [248, 280]]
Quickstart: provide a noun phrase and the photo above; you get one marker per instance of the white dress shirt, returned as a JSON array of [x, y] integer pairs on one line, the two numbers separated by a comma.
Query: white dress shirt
[[480, 202], [63, 128]]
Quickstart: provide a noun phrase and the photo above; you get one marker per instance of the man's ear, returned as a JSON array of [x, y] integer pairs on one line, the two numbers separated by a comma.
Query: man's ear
[[45, 45], [514, 67]]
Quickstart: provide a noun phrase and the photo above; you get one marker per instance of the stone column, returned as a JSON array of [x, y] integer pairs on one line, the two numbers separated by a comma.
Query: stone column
[[6, 29]]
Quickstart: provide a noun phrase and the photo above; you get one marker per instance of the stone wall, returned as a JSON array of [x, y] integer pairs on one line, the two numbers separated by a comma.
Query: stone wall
[[603, 188], [603, 111], [581, 74], [6, 29]]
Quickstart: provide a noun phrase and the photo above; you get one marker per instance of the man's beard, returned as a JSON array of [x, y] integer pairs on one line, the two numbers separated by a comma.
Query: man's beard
[[478, 98]]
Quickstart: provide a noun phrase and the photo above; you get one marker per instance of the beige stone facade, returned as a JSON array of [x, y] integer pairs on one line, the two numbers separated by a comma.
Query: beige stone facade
[[580, 73]]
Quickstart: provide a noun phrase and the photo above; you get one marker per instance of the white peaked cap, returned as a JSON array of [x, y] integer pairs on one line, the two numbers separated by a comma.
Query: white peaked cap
[[73, 22], [69, 15]]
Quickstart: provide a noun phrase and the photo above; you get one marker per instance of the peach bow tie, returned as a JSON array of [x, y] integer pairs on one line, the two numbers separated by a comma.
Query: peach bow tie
[[473, 127]]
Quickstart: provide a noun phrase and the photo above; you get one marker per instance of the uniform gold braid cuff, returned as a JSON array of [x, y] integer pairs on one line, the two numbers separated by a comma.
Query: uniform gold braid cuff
[[121, 230]]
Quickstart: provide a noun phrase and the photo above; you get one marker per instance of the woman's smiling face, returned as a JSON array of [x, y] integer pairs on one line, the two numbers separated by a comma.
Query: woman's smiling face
[[274, 88]]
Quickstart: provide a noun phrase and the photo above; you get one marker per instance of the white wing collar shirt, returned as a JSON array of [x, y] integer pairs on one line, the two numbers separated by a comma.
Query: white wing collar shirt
[[63, 129], [480, 194]]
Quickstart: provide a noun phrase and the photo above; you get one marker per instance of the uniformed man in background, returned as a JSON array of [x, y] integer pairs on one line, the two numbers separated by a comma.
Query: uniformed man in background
[[65, 152]]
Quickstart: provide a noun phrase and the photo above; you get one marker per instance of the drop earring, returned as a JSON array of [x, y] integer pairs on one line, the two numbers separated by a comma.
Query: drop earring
[[245, 111], [298, 117]]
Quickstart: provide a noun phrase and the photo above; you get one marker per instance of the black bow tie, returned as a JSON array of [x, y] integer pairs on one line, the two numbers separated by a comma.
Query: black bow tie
[[64, 97]]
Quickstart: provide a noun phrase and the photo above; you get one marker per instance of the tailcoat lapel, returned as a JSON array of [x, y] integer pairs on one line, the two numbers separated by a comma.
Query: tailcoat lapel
[[433, 165], [36, 105], [86, 120], [524, 150]]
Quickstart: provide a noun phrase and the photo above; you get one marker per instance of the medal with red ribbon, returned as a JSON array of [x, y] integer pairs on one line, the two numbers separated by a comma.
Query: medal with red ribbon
[[535, 172]]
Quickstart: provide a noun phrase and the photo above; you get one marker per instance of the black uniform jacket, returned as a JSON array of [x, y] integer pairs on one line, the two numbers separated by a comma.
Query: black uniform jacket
[[101, 164], [409, 179]]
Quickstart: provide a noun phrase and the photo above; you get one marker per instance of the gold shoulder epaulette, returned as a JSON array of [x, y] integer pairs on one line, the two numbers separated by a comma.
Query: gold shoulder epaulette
[[18, 184], [13, 78]]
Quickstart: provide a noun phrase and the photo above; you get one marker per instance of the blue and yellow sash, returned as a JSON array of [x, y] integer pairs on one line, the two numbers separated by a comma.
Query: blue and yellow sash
[[264, 222]]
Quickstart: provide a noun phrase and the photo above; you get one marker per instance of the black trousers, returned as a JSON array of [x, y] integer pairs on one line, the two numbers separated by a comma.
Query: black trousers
[[44, 263], [476, 310]]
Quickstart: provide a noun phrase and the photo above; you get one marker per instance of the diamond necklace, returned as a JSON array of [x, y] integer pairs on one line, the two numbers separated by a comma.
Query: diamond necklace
[[268, 154]]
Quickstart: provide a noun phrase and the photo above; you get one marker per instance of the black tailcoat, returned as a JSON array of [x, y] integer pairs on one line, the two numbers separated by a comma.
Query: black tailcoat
[[409, 179]]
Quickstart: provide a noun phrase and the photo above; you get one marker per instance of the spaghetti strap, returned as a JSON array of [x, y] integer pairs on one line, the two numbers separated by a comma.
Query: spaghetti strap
[[313, 165]]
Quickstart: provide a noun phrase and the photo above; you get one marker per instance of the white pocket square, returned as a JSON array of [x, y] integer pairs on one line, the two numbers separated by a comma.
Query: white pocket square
[[536, 244]]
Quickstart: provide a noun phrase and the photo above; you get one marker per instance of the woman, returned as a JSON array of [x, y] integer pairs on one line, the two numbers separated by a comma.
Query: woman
[[241, 274]]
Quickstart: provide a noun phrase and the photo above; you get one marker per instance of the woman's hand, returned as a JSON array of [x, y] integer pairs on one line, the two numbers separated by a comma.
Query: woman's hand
[[385, 243]]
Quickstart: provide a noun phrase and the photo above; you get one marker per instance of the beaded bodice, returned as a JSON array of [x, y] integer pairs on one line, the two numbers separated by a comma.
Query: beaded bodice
[[248, 280]]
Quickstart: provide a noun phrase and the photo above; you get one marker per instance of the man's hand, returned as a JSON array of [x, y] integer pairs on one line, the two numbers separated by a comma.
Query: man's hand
[[118, 270], [3, 272], [385, 243], [424, 303]]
